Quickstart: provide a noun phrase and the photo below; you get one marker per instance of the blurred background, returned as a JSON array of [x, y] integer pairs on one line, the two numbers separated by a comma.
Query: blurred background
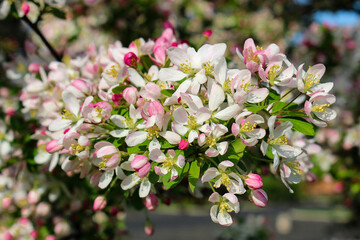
[[326, 206]]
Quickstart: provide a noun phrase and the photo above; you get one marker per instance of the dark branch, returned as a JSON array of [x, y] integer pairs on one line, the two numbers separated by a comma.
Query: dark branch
[[38, 32]]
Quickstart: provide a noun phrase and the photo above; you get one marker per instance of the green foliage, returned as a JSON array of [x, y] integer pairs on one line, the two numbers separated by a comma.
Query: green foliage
[[300, 125], [194, 174]]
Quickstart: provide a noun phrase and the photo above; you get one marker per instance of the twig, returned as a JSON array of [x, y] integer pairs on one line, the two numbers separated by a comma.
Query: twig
[[38, 32]]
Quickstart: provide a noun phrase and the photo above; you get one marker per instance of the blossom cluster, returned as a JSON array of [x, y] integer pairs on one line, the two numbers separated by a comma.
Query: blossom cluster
[[156, 112]]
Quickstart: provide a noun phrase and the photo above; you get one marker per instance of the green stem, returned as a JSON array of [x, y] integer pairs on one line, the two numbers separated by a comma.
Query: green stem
[[211, 186], [289, 102], [282, 98]]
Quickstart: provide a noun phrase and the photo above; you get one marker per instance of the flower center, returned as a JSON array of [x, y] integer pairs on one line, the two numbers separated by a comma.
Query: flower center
[[282, 140], [168, 163], [246, 87], [224, 207], [77, 148], [113, 71], [210, 141], [295, 167], [225, 180], [67, 115], [186, 68], [273, 72], [252, 56], [248, 127], [227, 85], [152, 132], [209, 69], [192, 122], [320, 108], [310, 80]]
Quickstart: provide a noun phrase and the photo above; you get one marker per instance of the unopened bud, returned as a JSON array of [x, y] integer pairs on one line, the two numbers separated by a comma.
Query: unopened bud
[[34, 234], [254, 181], [149, 228], [130, 94], [33, 197], [8, 236], [99, 203], [144, 170], [259, 197], [34, 68], [53, 146], [207, 33], [151, 202], [138, 162], [131, 59], [183, 144], [25, 8]]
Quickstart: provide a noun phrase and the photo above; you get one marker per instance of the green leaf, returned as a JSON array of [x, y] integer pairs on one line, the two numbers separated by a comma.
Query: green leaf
[[182, 172], [278, 106], [119, 89], [273, 96], [167, 92], [153, 177], [300, 125], [194, 174], [57, 13], [235, 151], [254, 108]]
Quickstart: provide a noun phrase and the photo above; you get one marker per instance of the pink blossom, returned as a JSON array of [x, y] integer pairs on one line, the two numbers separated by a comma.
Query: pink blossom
[[99, 203], [151, 202], [254, 181], [138, 162], [143, 171], [149, 228], [33, 197], [50, 237], [259, 197], [53, 146], [8, 236], [207, 33], [183, 144], [130, 94], [6, 202], [34, 68], [34, 234], [25, 8], [131, 59]]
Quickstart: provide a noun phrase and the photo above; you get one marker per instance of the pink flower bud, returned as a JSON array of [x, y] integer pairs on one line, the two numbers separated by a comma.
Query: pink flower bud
[[50, 237], [99, 203], [33, 197], [130, 94], [151, 202], [81, 85], [34, 68], [254, 181], [8, 236], [149, 228], [131, 59], [183, 144], [116, 98], [259, 197], [25, 8], [168, 24], [34, 234], [53, 146], [113, 211], [207, 33], [6, 202], [138, 162], [144, 170]]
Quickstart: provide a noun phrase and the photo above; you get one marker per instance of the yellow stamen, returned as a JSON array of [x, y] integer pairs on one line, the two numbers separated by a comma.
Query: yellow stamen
[[282, 140], [225, 180], [224, 207], [192, 122], [77, 148], [210, 141], [67, 115], [320, 108], [295, 167], [152, 132], [248, 127], [186, 67], [208, 68], [169, 163], [227, 85], [310, 80], [113, 71]]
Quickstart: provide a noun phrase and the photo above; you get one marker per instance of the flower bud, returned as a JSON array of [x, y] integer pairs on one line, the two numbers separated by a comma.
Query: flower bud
[[183, 144], [34, 68], [53, 146], [151, 202], [50, 237], [207, 33], [81, 85], [8, 236], [116, 98], [6, 202], [42, 209], [34, 234], [259, 197], [149, 228], [33, 197], [131, 59], [138, 162], [25, 8], [254, 181], [130, 94], [99, 203], [144, 170]]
